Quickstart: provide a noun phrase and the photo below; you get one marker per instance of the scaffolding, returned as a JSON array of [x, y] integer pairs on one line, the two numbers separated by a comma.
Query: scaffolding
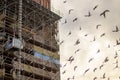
[[28, 28]]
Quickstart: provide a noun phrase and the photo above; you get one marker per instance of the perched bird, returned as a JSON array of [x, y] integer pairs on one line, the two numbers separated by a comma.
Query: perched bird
[[69, 33], [90, 60], [94, 78], [104, 13], [86, 71], [70, 10], [95, 7], [75, 68], [77, 42], [97, 26], [101, 66], [102, 35], [116, 66], [94, 69], [89, 14], [116, 29], [75, 19]]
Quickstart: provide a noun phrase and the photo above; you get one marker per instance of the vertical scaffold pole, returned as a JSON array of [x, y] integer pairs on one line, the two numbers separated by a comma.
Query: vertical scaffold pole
[[20, 37]]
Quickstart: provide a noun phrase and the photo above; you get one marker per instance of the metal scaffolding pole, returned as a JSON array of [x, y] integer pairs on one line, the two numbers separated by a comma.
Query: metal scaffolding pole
[[20, 38]]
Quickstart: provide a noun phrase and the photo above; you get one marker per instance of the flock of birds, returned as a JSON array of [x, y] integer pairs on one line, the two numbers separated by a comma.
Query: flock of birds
[[77, 42]]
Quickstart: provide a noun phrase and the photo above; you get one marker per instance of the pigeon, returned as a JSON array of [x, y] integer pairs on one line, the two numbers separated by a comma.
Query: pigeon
[[77, 50], [104, 13], [64, 65], [75, 19], [116, 29], [101, 66], [77, 42], [80, 28], [63, 72], [94, 39], [103, 76], [75, 68], [106, 60], [116, 55], [64, 1], [69, 33], [97, 26], [61, 42], [90, 60], [70, 10], [95, 7], [86, 35], [86, 71], [89, 14], [117, 43], [98, 50], [102, 35], [65, 21], [94, 78], [94, 69]]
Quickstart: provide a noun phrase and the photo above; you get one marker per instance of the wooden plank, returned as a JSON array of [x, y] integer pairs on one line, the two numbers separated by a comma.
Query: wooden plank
[[33, 70], [46, 52], [38, 60], [2, 72]]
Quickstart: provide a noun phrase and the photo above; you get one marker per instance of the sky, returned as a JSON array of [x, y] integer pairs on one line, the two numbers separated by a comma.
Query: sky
[[98, 55]]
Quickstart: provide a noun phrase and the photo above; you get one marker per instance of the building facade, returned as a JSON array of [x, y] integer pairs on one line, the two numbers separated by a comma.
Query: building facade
[[28, 46]]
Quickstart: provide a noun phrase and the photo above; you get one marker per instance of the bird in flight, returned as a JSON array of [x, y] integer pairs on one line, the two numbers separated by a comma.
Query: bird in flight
[[77, 50], [61, 42], [97, 26], [65, 1], [70, 10], [86, 71], [90, 60], [102, 35], [116, 55], [65, 21], [94, 69], [63, 72], [116, 29], [94, 78], [101, 66], [106, 60], [75, 19], [95, 7], [75, 68], [77, 42], [88, 15], [104, 13], [98, 50], [104, 76], [69, 33], [117, 42]]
